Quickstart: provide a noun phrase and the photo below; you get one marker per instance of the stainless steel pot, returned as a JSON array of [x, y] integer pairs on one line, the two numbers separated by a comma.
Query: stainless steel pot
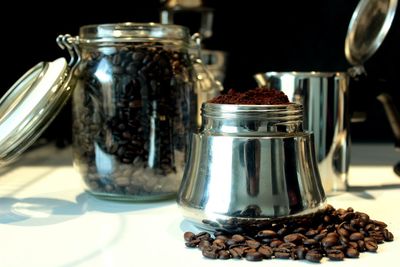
[[324, 96], [249, 164]]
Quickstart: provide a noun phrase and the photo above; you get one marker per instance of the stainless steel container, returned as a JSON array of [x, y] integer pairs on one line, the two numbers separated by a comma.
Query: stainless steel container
[[249, 164], [324, 96]]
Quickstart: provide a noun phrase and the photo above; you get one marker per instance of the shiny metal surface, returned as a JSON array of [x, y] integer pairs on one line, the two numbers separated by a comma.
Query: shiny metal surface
[[324, 96], [250, 164], [368, 28]]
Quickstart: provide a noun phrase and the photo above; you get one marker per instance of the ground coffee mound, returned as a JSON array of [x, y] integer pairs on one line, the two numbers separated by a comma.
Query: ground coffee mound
[[257, 96], [333, 233]]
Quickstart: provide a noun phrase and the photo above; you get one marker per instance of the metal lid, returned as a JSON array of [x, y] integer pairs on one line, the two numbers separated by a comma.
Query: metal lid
[[368, 28], [30, 105]]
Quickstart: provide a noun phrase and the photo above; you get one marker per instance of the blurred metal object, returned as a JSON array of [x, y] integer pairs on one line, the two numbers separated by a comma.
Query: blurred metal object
[[324, 96], [172, 8], [368, 28], [392, 115], [250, 162], [215, 61]]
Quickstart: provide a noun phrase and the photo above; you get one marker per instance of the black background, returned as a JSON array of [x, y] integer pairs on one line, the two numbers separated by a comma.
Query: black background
[[259, 36]]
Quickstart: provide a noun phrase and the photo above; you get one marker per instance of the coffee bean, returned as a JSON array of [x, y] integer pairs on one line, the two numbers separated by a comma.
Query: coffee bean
[[356, 236], [236, 252], [313, 256], [267, 234], [352, 253], [387, 235], [188, 236], [224, 255], [294, 238], [275, 243], [254, 256], [209, 253], [238, 238], [300, 252], [253, 243], [266, 251], [335, 255], [371, 246], [329, 241], [282, 255]]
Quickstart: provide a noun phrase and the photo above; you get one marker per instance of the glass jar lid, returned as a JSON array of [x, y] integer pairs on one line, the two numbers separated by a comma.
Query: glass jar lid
[[368, 28], [30, 105], [132, 32]]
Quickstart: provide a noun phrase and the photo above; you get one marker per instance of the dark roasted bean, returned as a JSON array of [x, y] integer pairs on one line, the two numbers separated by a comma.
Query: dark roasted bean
[[371, 246], [352, 253], [335, 255], [329, 241], [387, 235], [238, 238], [310, 242], [300, 252], [188, 236], [254, 256], [313, 256], [294, 238], [253, 243], [266, 251], [267, 234], [224, 255], [282, 255], [275, 243], [356, 236], [209, 253], [203, 244]]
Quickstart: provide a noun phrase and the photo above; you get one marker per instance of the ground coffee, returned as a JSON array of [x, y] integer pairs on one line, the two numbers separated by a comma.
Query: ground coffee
[[335, 234], [257, 96]]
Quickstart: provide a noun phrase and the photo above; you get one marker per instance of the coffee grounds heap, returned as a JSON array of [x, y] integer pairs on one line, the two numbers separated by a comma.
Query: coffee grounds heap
[[257, 96], [335, 234]]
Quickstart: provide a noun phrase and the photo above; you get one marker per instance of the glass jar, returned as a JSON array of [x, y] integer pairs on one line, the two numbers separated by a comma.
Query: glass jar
[[134, 104]]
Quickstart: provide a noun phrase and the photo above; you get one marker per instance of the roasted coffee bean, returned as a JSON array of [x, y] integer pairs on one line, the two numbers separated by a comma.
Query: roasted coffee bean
[[311, 233], [266, 251], [236, 252], [300, 252], [313, 256], [188, 236], [387, 235], [361, 245], [371, 246], [254, 256], [209, 253], [294, 238], [329, 241], [224, 255], [287, 245], [310, 242], [267, 234], [343, 232], [238, 238], [275, 243], [356, 236], [352, 253], [282, 255], [203, 244], [253, 243], [335, 255]]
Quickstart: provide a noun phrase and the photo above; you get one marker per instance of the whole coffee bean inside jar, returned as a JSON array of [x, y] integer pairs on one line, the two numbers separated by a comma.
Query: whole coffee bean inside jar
[[133, 108]]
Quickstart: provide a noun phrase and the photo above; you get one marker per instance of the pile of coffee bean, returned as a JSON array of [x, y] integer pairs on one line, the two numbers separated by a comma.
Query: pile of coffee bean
[[134, 106], [335, 234]]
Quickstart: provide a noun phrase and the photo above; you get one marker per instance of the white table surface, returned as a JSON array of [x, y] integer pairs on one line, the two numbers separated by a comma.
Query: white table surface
[[46, 219]]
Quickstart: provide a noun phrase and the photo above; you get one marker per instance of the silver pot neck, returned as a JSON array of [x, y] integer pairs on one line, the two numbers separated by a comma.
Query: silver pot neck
[[251, 119]]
